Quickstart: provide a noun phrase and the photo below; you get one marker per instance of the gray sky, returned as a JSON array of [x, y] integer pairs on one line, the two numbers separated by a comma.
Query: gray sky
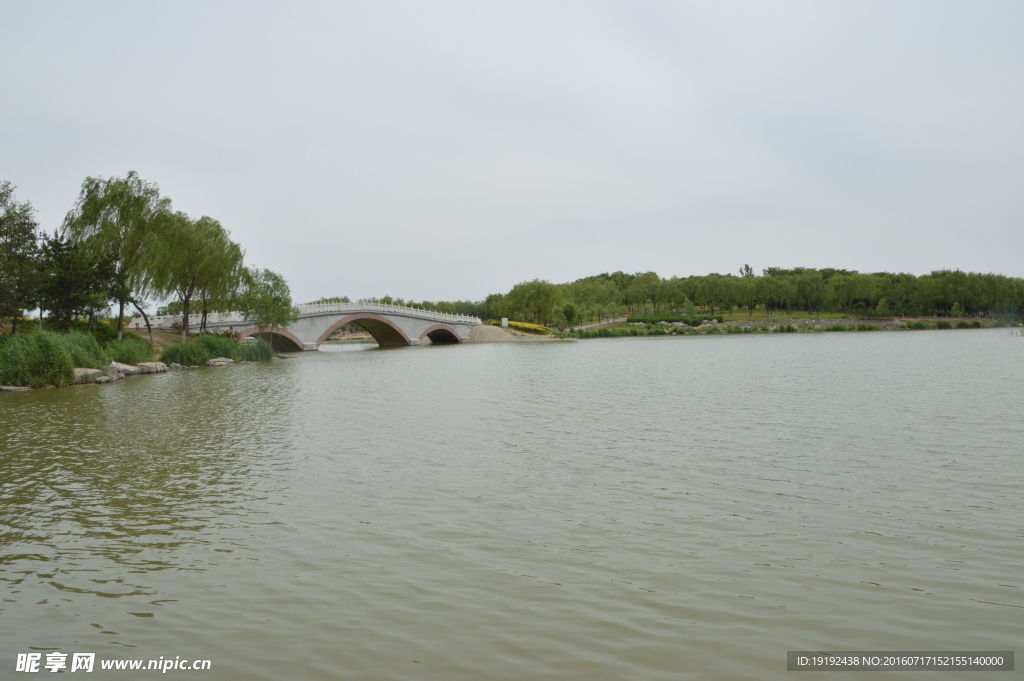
[[448, 150]]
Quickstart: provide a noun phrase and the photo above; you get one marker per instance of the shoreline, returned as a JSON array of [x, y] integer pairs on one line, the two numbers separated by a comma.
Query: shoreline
[[492, 334]]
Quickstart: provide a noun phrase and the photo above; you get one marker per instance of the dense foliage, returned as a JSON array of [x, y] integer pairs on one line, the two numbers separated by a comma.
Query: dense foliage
[[45, 358], [776, 292], [131, 349], [209, 346], [122, 243]]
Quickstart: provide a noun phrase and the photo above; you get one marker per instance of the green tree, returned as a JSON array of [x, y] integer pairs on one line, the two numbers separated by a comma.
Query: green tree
[[810, 290], [197, 261], [748, 292], [570, 313], [535, 300], [74, 282], [19, 256], [222, 274], [266, 300], [118, 218], [178, 267]]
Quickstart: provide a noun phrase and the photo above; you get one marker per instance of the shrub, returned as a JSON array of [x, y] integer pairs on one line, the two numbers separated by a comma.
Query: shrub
[[14, 360], [131, 349], [219, 346], [919, 326], [260, 351], [836, 327], [188, 354], [867, 327], [523, 326], [83, 349], [786, 328], [36, 360], [529, 328], [963, 325], [102, 330], [942, 324], [208, 346], [975, 324]]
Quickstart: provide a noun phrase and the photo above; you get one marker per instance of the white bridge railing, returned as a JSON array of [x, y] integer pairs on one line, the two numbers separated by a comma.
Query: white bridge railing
[[310, 309], [316, 308]]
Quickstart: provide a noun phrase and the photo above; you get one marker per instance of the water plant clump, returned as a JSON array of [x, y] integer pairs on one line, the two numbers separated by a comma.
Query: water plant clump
[[131, 349], [919, 326], [83, 348], [837, 327], [36, 360], [942, 324], [209, 346]]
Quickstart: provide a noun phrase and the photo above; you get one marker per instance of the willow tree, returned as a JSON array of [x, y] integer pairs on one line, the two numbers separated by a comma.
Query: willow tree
[[223, 270], [266, 300], [195, 259], [119, 218]]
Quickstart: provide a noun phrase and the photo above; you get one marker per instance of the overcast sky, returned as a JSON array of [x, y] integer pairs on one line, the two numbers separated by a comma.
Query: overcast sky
[[435, 150]]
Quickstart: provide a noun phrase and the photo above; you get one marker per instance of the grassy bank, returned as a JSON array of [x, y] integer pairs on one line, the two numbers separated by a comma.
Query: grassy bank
[[47, 358], [40, 358], [791, 326], [198, 351]]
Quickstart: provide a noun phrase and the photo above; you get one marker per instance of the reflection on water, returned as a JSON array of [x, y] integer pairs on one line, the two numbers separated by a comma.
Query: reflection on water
[[651, 508]]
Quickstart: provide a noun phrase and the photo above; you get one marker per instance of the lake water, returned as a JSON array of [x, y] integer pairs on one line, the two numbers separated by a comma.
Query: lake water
[[648, 508]]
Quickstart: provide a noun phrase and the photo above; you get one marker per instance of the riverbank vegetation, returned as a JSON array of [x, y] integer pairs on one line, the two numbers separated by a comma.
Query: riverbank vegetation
[[121, 244], [36, 358], [714, 327], [198, 351], [775, 293]]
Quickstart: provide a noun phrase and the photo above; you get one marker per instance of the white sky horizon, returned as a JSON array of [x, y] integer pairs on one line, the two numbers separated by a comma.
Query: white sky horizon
[[444, 151]]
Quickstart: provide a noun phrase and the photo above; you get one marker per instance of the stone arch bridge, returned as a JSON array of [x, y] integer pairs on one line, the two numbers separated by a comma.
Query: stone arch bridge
[[390, 325]]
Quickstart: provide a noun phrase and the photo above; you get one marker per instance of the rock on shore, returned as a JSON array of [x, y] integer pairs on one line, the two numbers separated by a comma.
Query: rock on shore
[[85, 375], [152, 367], [126, 369], [220, 362]]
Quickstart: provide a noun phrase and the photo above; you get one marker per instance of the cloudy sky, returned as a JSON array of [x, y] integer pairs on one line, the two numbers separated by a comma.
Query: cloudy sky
[[436, 150]]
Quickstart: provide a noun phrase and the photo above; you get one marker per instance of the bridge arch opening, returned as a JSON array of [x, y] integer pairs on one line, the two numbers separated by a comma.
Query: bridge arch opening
[[281, 341], [381, 328], [439, 334]]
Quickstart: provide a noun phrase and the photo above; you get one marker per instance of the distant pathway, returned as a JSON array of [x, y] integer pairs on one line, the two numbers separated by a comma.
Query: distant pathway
[[618, 320]]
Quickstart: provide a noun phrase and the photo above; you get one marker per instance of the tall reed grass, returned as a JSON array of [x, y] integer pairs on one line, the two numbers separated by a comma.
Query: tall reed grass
[[208, 346], [42, 358]]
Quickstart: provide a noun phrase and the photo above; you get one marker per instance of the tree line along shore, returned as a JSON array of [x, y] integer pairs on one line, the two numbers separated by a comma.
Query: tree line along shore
[[122, 244], [775, 293]]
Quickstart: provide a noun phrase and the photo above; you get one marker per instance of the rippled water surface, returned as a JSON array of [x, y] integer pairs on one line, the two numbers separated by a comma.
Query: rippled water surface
[[650, 508]]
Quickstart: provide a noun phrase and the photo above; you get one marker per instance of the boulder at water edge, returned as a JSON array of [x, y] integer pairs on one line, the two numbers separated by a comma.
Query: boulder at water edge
[[85, 375], [152, 367]]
